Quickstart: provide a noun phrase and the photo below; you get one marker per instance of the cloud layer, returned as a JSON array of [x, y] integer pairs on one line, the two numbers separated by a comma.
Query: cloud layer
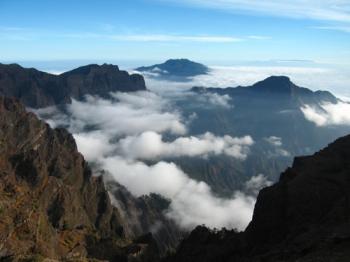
[[150, 145], [119, 133], [313, 76], [328, 114], [128, 114], [192, 202]]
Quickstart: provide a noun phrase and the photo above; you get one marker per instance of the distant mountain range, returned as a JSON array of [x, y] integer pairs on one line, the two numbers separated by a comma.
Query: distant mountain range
[[304, 217], [175, 69], [39, 89]]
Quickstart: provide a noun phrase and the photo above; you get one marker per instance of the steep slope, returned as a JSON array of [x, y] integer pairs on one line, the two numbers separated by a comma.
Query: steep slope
[[50, 204], [145, 214], [176, 68], [39, 89], [303, 217]]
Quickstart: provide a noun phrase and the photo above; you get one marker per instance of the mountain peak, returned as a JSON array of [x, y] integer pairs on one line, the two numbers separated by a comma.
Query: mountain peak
[[39, 89], [93, 67], [279, 84], [176, 67]]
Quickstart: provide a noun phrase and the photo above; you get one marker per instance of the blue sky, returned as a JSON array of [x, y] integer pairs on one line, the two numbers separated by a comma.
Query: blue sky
[[221, 31]]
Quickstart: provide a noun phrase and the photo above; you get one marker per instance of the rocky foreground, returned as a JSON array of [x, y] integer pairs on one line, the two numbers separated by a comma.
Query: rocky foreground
[[50, 204], [304, 217]]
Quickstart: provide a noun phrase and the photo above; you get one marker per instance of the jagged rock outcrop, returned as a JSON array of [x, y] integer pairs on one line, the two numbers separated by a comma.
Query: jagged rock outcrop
[[144, 214], [39, 89], [304, 217], [50, 204]]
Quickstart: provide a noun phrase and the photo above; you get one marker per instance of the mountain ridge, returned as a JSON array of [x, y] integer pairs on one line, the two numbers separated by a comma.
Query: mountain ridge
[[38, 89], [271, 85]]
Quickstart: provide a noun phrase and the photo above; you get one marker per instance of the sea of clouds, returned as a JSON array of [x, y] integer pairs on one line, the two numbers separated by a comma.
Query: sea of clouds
[[131, 135]]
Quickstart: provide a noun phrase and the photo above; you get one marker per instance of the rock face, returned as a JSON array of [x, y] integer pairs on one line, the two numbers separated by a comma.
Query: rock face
[[50, 204], [303, 217], [176, 68], [39, 89], [145, 214]]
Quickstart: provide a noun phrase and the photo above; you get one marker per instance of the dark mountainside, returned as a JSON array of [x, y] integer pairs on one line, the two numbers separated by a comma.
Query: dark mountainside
[[50, 204], [39, 89], [268, 108], [176, 68], [275, 86], [304, 217]]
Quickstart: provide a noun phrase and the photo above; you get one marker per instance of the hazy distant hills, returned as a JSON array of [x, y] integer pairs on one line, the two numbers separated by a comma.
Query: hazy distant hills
[[304, 217], [175, 68], [39, 89]]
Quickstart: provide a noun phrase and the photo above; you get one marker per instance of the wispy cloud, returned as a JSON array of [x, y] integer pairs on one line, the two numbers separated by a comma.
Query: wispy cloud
[[328, 114], [175, 38], [330, 10], [345, 28], [106, 33]]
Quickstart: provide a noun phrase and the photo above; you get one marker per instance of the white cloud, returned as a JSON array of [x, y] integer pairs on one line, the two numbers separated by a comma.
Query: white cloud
[[52, 116], [278, 150], [328, 114], [342, 28], [93, 145], [315, 77], [130, 113], [150, 145], [192, 202], [331, 10], [113, 133], [274, 140], [214, 99], [247, 75], [256, 183]]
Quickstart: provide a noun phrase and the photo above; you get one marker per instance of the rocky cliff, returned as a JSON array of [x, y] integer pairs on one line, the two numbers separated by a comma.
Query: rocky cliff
[[303, 217], [50, 204], [39, 89]]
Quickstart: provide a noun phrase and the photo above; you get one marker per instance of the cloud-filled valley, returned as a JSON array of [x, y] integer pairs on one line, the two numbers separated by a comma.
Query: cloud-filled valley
[[135, 137], [118, 133]]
